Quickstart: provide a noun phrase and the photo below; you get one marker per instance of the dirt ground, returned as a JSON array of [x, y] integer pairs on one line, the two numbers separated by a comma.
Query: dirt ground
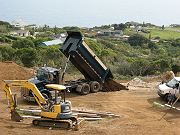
[[138, 115]]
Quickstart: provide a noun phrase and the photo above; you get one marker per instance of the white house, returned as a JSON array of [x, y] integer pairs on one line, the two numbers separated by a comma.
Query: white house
[[20, 33], [20, 24], [138, 28], [112, 33]]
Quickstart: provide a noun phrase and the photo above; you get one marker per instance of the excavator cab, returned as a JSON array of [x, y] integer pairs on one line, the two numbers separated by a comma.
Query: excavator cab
[[48, 75], [43, 76], [65, 104]]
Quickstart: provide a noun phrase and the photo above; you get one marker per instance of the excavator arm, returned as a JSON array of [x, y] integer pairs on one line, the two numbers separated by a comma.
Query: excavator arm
[[7, 84]]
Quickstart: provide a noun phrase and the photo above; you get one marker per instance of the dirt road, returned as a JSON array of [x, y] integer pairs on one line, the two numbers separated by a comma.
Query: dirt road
[[138, 115]]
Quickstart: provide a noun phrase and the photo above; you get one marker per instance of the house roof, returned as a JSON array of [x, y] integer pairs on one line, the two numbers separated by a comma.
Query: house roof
[[53, 42], [20, 31]]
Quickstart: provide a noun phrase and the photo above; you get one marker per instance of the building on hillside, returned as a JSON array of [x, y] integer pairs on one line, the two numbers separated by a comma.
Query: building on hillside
[[132, 24], [124, 37], [53, 42], [155, 40], [132, 27], [138, 28], [85, 28], [19, 24], [20, 33], [61, 36], [115, 33], [175, 25]]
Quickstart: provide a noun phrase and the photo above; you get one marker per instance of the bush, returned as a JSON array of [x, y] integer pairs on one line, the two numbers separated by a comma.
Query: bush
[[7, 53], [28, 56], [137, 40], [23, 43], [152, 46], [176, 43]]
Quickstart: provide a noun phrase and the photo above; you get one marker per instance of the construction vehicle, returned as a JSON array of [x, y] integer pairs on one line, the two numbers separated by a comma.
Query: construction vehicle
[[44, 75], [97, 75], [55, 113], [165, 88]]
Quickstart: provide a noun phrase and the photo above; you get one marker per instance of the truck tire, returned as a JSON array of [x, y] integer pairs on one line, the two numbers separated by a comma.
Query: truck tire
[[95, 87], [78, 88], [167, 97], [85, 89]]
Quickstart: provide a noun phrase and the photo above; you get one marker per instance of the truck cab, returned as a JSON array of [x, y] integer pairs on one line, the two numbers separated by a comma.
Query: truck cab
[[165, 88], [44, 75]]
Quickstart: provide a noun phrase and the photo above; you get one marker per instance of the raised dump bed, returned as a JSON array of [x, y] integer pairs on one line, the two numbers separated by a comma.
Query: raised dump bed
[[84, 59]]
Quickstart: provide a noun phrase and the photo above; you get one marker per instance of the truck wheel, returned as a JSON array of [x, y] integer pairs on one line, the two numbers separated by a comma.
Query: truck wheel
[[85, 89], [166, 97], [95, 86], [78, 88]]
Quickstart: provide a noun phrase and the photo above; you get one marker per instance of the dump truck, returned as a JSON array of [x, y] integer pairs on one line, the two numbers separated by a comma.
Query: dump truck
[[96, 75]]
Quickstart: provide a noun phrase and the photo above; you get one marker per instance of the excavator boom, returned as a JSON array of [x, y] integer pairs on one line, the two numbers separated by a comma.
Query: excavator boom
[[12, 100]]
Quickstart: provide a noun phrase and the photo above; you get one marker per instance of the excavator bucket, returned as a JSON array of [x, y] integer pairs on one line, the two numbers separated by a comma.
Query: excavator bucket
[[15, 116]]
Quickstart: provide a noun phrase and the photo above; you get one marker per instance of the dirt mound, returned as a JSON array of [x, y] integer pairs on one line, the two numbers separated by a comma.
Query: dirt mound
[[112, 85], [11, 71]]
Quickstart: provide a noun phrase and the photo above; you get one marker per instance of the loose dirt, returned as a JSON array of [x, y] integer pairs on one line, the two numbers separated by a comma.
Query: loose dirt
[[135, 106], [10, 70]]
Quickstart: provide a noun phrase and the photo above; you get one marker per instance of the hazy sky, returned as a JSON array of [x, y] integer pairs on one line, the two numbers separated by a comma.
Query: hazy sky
[[90, 12]]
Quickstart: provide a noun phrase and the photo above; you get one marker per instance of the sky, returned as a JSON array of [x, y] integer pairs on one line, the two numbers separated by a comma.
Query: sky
[[89, 13]]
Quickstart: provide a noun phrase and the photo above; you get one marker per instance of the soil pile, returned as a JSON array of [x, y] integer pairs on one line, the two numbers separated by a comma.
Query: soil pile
[[112, 85], [11, 71]]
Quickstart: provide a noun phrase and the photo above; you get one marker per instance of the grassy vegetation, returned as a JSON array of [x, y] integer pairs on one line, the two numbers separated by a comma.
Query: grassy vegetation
[[137, 56], [164, 34], [167, 34]]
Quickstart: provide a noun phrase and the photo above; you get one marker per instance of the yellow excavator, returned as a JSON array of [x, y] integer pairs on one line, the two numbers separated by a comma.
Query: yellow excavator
[[55, 113]]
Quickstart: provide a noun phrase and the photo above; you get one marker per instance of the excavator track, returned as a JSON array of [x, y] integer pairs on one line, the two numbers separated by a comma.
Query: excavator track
[[63, 124]]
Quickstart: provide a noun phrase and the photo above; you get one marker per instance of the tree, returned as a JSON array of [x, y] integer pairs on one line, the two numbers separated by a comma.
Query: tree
[[161, 65], [137, 40], [149, 36], [175, 68], [45, 28], [139, 67], [120, 26], [162, 27], [176, 43], [23, 43], [7, 53], [74, 28], [55, 29], [152, 46], [51, 56], [28, 56]]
